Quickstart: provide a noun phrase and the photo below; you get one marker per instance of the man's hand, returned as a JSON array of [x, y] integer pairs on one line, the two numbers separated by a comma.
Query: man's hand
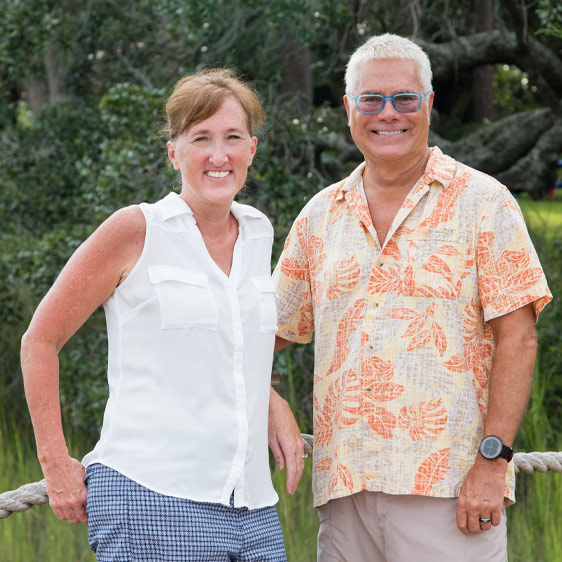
[[481, 496], [285, 440], [66, 489]]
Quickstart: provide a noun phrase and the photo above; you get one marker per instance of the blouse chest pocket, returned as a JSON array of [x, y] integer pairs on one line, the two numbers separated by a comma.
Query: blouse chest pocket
[[263, 284], [185, 299]]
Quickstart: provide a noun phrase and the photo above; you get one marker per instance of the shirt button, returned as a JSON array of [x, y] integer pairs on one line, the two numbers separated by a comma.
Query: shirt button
[[380, 264], [375, 304], [368, 390]]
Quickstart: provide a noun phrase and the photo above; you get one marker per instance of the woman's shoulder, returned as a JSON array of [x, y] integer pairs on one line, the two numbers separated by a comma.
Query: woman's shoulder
[[125, 223]]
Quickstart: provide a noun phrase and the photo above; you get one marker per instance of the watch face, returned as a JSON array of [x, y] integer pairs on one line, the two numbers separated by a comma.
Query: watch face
[[491, 447]]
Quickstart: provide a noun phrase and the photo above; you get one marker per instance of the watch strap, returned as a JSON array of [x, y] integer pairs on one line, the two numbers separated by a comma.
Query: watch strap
[[506, 453]]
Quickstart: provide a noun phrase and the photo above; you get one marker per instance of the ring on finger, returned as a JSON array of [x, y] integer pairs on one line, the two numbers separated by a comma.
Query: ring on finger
[[485, 519]]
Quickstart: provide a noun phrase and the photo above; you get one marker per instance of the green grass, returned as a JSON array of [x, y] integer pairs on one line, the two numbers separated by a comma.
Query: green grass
[[35, 534], [544, 217], [535, 521], [299, 519]]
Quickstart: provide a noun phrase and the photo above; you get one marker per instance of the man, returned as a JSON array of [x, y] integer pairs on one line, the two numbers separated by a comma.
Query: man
[[418, 277]]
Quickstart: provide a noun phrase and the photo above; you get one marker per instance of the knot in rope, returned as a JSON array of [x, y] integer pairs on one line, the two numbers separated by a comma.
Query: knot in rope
[[23, 498]]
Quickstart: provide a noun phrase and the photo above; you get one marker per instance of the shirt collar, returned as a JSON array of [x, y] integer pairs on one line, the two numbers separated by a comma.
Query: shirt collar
[[440, 168], [173, 206]]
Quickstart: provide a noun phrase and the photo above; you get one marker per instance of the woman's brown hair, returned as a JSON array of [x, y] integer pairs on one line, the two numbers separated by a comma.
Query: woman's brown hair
[[198, 96]]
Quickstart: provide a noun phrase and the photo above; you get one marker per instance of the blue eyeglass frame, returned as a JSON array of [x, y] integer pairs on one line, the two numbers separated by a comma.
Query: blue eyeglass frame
[[391, 98]]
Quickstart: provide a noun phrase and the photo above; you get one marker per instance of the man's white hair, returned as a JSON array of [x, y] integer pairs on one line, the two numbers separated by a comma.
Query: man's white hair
[[387, 46]]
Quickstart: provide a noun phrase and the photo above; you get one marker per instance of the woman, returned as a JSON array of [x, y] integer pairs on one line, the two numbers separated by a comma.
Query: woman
[[181, 468]]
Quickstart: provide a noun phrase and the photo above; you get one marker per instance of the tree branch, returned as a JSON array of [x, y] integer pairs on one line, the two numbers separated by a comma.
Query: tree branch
[[495, 147], [468, 52], [538, 168]]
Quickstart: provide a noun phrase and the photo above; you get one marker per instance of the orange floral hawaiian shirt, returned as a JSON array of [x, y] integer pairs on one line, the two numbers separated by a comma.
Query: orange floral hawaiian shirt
[[403, 350]]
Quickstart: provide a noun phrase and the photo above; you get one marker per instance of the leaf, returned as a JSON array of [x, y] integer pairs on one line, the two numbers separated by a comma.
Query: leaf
[[324, 464], [439, 338], [315, 255], [431, 471], [381, 421], [343, 278], [347, 326], [345, 476], [401, 313], [524, 280], [294, 269], [456, 364], [375, 370], [306, 321], [301, 227], [447, 250], [437, 265], [385, 391], [423, 420], [419, 340], [391, 249], [415, 326]]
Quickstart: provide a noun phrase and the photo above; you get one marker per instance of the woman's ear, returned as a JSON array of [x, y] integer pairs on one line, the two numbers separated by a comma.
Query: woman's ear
[[172, 154], [253, 150]]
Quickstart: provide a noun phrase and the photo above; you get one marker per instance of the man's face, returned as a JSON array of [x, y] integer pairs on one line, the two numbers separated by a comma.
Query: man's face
[[389, 135]]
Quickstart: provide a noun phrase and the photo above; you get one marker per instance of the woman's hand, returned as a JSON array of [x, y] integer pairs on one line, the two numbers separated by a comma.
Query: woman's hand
[[66, 489], [285, 440]]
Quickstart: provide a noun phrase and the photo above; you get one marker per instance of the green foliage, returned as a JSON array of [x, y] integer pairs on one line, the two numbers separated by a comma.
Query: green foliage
[[550, 15], [512, 91], [39, 186], [131, 164]]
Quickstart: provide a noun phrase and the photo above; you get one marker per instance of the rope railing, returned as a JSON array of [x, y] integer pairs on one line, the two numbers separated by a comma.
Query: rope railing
[[28, 495]]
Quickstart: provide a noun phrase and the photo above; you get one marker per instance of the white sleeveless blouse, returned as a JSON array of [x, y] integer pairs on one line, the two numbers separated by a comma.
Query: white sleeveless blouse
[[189, 368]]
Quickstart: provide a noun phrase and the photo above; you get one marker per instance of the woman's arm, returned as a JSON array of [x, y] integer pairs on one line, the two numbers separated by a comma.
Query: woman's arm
[[90, 276]]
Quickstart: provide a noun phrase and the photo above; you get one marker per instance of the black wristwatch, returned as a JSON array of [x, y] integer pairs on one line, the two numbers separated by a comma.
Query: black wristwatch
[[492, 447]]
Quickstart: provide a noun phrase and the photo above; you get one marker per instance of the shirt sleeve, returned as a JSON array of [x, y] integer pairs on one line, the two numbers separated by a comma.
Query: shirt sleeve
[[510, 275], [292, 284]]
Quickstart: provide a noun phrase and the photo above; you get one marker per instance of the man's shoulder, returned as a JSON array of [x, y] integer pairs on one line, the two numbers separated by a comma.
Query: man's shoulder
[[475, 182], [322, 201]]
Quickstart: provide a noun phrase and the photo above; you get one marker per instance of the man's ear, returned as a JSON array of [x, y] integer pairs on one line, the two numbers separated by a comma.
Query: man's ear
[[348, 109]]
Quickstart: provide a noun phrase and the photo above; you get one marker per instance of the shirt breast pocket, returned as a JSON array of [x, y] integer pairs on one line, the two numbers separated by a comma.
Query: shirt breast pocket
[[439, 265], [185, 299], [263, 284]]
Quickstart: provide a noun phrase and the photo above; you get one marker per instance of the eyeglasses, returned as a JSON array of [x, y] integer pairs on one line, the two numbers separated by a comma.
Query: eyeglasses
[[403, 103]]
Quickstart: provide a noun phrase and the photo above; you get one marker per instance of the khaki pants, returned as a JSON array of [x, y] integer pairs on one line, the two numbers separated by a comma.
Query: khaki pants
[[377, 527]]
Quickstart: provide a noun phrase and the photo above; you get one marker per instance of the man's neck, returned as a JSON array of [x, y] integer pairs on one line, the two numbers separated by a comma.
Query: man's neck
[[387, 184], [394, 178]]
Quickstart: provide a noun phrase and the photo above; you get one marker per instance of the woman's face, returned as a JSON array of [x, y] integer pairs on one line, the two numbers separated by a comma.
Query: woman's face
[[213, 156]]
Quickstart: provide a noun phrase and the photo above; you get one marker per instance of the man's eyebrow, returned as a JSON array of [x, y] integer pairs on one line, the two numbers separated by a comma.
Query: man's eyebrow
[[378, 93]]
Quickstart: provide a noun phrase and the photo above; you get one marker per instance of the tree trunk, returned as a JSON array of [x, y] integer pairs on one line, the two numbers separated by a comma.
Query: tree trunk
[[482, 77], [53, 66], [35, 92], [297, 82]]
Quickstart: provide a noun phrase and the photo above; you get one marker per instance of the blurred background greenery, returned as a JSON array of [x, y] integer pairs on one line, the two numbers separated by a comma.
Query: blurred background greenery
[[82, 87]]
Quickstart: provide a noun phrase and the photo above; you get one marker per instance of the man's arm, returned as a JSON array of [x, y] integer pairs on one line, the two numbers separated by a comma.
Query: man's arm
[[482, 492], [285, 439]]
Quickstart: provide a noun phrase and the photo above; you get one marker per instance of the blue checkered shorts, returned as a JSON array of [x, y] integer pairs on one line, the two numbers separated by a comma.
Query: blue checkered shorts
[[128, 522]]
